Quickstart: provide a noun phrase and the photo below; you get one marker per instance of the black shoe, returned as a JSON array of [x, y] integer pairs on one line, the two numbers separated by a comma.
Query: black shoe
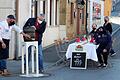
[[113, 54], [105, 65], [100, 65], [41, 71]]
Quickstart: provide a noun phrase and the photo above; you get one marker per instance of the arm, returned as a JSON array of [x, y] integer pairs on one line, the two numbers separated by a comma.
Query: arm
[[20, 31], [110, 28]]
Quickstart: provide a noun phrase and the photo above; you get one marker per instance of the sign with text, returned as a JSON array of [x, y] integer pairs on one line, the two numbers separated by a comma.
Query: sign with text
[[78, 60]]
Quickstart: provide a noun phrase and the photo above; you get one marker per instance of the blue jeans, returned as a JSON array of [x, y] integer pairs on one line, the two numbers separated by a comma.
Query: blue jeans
[[40, 56], [3, 65]]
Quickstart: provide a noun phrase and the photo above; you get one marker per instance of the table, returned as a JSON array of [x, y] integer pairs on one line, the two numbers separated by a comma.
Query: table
[[89, 48]]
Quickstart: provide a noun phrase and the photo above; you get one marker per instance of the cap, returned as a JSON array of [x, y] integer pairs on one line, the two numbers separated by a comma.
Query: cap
[[42, 15], [10, 17]]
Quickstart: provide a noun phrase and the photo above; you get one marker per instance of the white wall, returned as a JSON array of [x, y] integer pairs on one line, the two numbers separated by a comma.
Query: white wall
[[50, 35], [24, 12], [6, 7], [53, 33]]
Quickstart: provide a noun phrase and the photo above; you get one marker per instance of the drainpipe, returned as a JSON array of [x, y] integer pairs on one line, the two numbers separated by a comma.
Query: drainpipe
[[86, 16]]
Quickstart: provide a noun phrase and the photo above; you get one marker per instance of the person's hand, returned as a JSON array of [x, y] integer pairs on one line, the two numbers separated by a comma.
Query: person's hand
[[3, 45], [27, 36], [94, 42], [104, 50]]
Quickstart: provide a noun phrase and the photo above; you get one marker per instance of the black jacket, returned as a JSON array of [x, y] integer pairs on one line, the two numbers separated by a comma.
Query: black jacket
[[104, 40], [108, 27], [42, 27], [93, 34]]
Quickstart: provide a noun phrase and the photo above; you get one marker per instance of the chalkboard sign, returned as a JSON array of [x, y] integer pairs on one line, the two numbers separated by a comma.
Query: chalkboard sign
[[78, 60]]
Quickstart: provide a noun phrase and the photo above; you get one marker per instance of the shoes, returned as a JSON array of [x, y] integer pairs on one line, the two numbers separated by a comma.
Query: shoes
[[1, 72], [41, 71], [5, 73], [105, 65], [100, 65], [113, 54]]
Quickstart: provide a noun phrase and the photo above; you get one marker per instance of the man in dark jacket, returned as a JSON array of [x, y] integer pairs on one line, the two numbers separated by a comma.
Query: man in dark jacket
[[108, 28], [40, 26], [104, 41]]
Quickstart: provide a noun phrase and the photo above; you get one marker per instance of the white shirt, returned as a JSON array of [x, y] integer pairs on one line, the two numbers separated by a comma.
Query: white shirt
[[5, 30]]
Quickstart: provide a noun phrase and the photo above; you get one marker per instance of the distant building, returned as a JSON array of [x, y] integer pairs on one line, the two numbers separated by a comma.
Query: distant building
[[107, 8]]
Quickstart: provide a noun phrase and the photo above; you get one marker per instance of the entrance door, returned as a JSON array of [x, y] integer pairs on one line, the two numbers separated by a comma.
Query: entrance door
[[80, 21]]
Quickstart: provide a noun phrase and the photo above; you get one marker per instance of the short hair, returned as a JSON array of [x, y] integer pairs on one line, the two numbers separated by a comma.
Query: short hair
[[11, 17]]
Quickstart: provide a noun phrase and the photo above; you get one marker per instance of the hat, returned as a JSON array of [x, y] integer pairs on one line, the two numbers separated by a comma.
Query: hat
[[10, 17], [42, 15]]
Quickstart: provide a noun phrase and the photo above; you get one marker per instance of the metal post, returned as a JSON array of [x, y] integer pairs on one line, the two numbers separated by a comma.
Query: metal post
[[27, 67], [32, 53], [37, 63], [23, 49], [86, 16]]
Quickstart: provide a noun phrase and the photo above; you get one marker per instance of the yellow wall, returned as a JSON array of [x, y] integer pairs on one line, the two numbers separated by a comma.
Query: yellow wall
[[107, 7]]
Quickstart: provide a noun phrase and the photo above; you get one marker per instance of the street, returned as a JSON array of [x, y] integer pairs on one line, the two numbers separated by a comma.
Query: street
[[62, 72]]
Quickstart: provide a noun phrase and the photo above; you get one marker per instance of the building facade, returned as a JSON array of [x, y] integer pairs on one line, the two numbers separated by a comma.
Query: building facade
[[55, 15], [107, 8], [95, 13], [65, 18], [75, 18]]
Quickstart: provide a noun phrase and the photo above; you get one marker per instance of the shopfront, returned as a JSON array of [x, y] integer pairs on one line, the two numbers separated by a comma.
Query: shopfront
[[96, 13]]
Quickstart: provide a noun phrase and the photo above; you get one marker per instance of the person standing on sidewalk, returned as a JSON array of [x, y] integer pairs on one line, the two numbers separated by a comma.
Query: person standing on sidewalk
[[6, 27], [108, 27], [40, 25]]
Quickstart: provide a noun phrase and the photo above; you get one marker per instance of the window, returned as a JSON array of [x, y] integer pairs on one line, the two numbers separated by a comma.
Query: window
[[50, 12], [43, 7]]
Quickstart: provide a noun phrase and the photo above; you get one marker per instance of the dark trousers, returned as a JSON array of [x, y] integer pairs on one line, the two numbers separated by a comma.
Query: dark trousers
[[102, 56], [4, 54]]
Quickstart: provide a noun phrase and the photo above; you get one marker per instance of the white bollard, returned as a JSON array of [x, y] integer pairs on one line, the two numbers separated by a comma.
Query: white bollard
[[32, 55], [26, 72]]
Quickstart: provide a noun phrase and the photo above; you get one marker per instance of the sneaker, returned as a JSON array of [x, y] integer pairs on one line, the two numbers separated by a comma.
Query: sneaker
[[6, 73], [105, 65], [41, 71], [1, 72], [99, 65], [113, 54]]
